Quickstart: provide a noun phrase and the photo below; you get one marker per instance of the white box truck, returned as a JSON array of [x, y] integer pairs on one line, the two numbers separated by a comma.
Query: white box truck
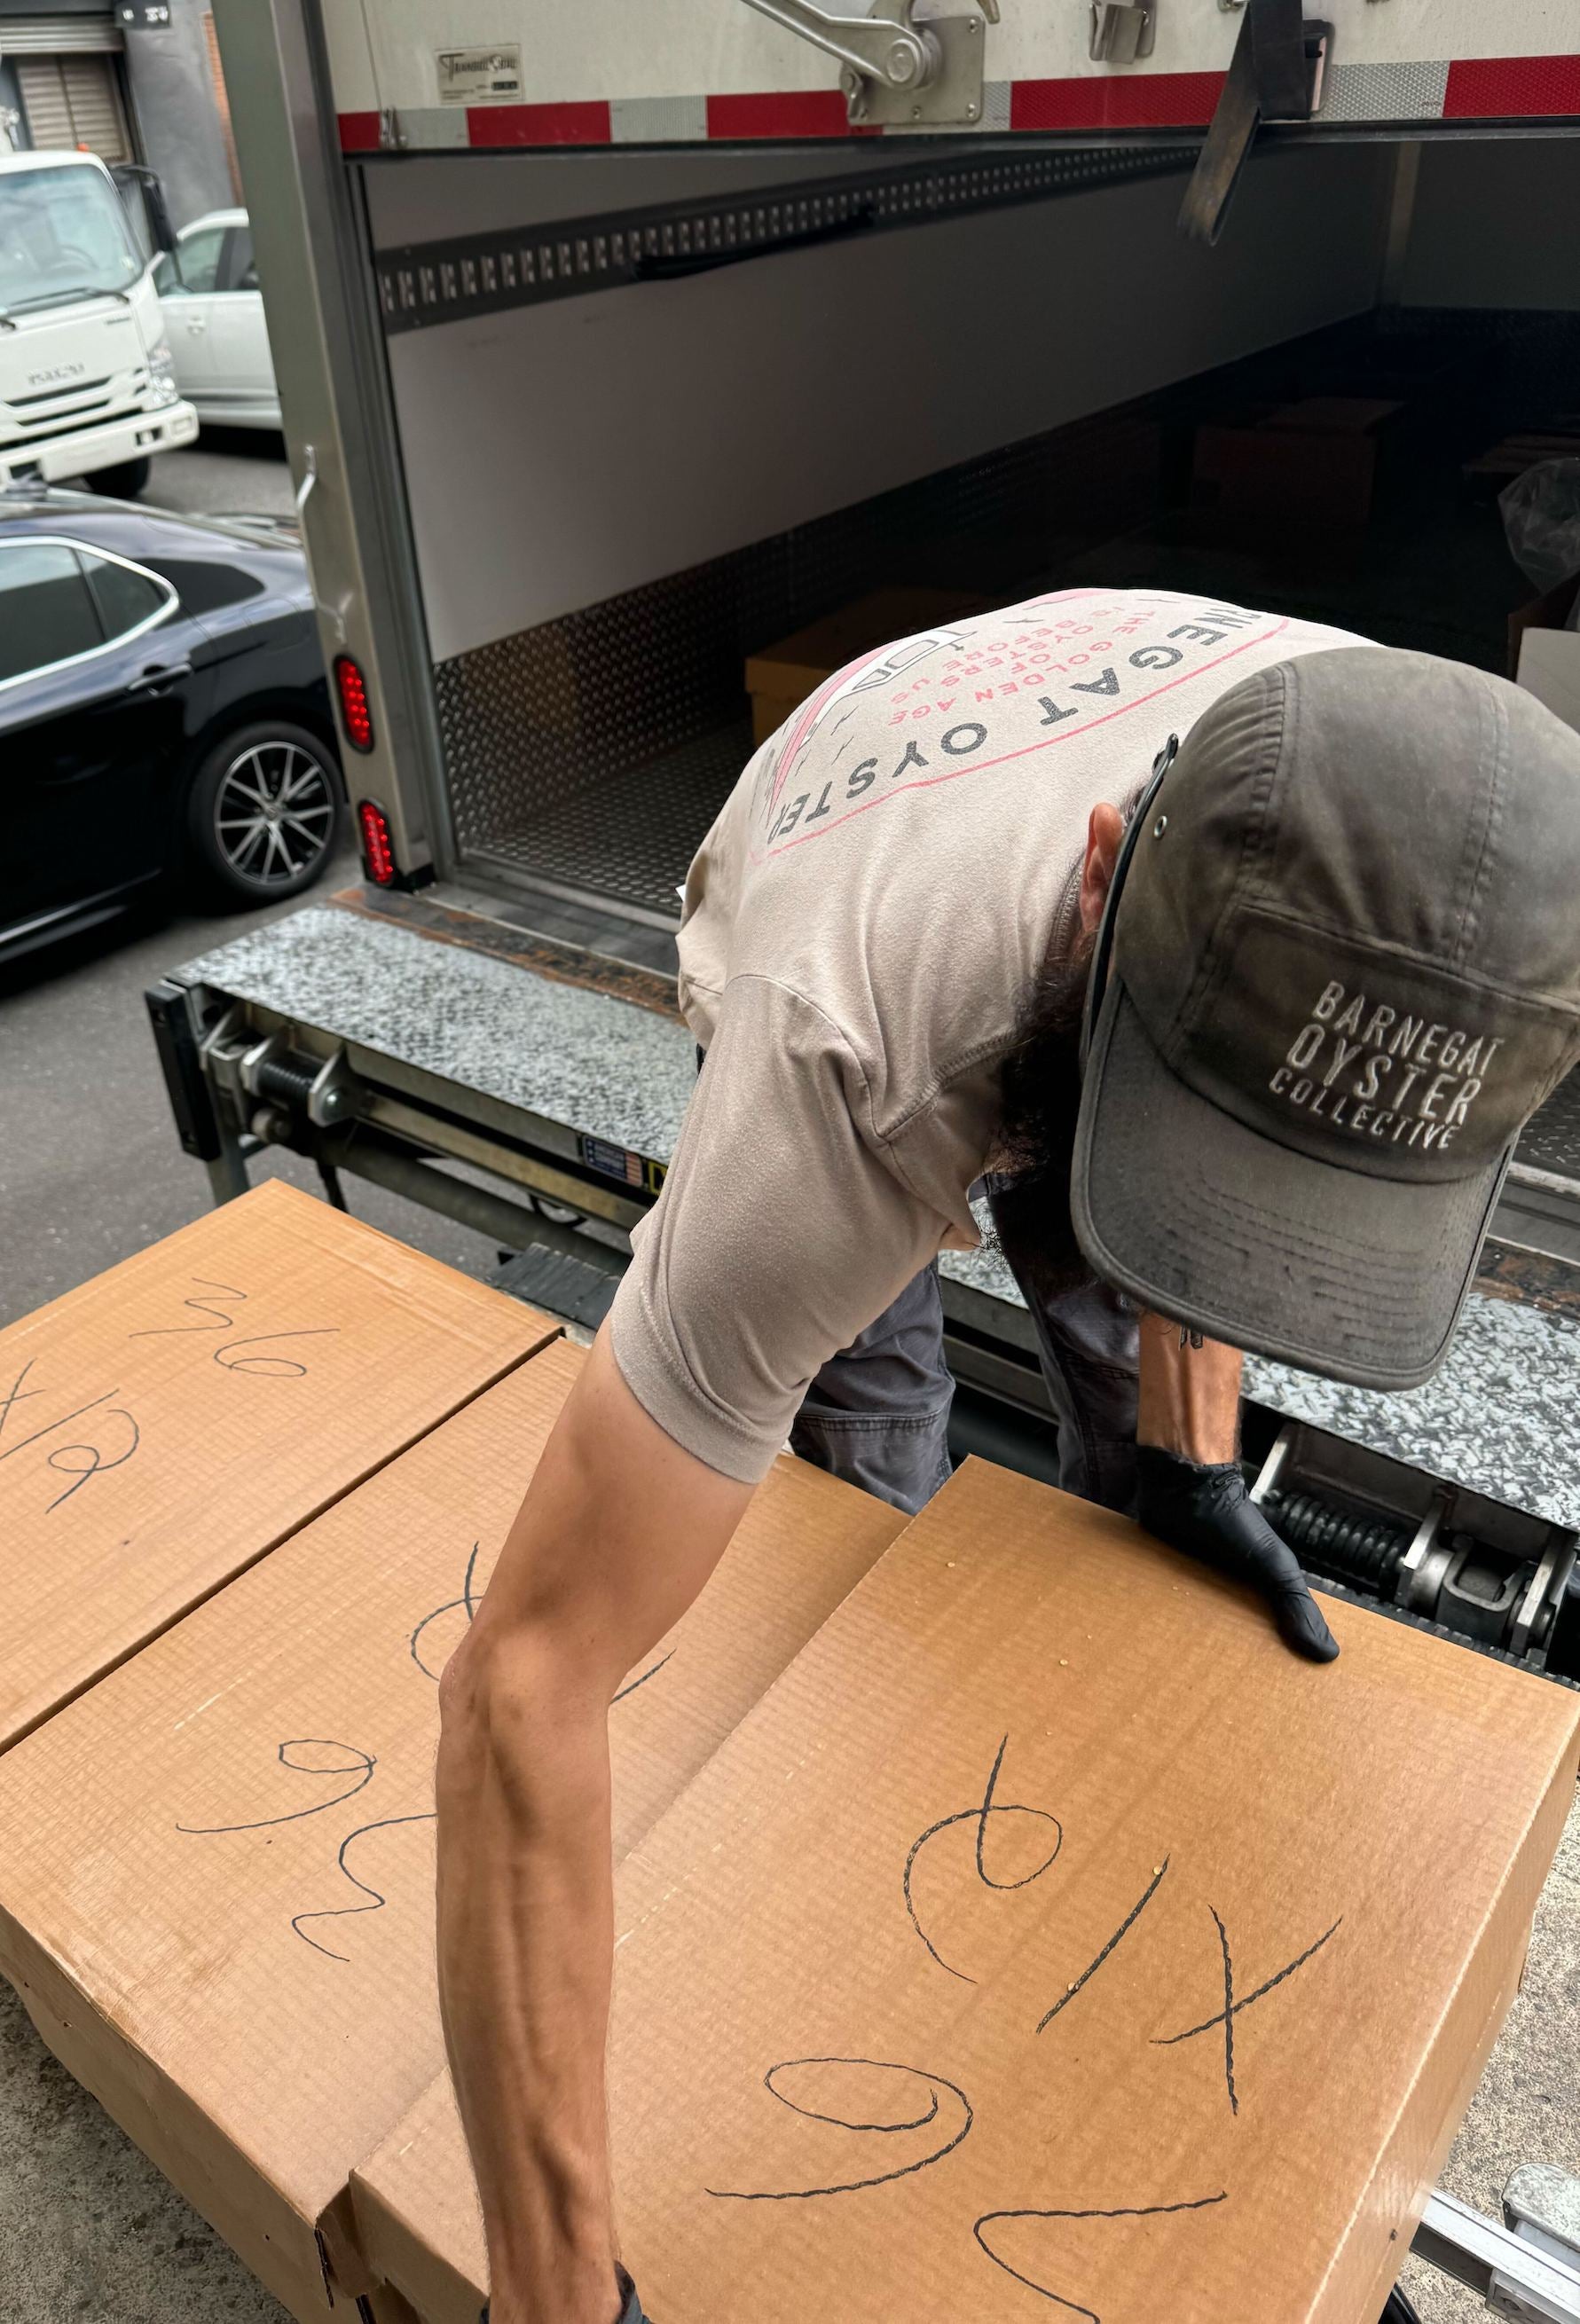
[[86, 376], [618, 342]]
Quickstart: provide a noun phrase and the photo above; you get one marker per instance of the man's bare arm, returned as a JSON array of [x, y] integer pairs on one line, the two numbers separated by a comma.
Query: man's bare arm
[[617, 1534], [1189, 1399]]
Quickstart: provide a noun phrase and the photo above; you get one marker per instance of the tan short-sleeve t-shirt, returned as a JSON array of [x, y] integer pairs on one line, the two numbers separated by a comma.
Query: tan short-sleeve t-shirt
[[860, 927]]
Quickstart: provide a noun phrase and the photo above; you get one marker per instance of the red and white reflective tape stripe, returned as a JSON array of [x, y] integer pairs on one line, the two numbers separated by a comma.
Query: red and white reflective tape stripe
[[792, 113], [1465, 88], [487, 125], [1495, 89], [1161, 100]]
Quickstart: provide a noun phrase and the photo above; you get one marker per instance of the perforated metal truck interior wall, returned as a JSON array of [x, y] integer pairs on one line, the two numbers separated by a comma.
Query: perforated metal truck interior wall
[[615, 496], [594, 751]]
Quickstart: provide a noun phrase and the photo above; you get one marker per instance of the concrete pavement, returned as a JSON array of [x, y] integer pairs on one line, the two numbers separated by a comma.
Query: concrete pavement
[[228, 470], [89, 1166]]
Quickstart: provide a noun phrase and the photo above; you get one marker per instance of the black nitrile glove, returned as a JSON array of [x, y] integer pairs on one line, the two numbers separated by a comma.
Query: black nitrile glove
[[632, 2311], [1205, 1511]]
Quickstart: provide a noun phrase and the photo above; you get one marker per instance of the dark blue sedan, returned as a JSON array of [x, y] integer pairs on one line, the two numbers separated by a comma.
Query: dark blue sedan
[[163, 709]]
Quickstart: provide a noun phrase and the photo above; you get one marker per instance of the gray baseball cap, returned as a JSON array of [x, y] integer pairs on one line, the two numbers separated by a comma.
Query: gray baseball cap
[[1345, 970]]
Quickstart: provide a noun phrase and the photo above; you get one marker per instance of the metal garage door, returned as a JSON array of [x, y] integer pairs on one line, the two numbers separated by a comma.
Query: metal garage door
[[74, 101]]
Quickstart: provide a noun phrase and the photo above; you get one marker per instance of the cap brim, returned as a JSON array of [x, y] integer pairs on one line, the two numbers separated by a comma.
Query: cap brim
[[1208, 1222]]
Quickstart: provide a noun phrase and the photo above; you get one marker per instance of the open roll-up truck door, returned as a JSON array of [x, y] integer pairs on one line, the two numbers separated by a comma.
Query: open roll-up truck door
[[729, 70]]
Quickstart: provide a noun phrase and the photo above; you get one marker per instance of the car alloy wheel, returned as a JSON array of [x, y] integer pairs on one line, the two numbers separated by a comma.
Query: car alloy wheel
[[274, 813]]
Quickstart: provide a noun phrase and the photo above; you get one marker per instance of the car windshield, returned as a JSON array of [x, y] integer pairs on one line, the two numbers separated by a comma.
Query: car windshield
[[63, 233]]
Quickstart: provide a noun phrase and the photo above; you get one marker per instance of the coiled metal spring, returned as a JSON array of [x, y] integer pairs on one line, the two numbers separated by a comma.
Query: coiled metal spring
[[276, 1078], [1367, 1550]]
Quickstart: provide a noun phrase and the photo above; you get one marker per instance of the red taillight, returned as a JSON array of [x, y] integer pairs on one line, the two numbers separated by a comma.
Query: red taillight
[[378, 855], [355, 712]]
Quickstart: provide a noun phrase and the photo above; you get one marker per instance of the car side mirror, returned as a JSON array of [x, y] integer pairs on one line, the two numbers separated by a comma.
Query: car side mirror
[[133, 178]]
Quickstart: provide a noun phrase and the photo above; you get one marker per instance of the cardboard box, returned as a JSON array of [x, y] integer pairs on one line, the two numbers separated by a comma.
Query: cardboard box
[[1555, 438], [165, 1424], [1084, 1947], [780, 678], [216, 1887], [1311, 463], [1544, 650], [1550, 667]]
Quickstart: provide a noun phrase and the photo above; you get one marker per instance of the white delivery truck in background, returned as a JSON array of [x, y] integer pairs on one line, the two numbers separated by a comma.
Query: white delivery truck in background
[[86, 384]]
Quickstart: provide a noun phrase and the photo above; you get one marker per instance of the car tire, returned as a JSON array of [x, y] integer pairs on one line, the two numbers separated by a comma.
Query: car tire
[[265, 811], [122, 483]]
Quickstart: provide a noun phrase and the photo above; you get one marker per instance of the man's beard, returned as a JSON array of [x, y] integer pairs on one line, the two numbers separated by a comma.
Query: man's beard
[[1035, 1150]]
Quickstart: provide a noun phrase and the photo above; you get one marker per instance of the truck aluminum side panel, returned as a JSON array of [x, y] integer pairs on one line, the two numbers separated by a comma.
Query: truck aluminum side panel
[[717, 69]]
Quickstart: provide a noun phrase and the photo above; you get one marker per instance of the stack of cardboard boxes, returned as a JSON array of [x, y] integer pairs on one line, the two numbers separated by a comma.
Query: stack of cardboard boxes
[[1005, 1919]]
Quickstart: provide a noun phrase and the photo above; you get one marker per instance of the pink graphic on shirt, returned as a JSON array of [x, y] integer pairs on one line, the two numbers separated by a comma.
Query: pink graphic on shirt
[[952, 694]]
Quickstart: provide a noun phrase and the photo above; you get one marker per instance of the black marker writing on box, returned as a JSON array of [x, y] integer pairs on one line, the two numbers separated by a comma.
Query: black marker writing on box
[[218, 1320], [1124, 1930], [361, 1763], [49, 1428], [1124, 2211], [1244, 2001], [95, 1464], [17, 1395], [934, 2083], [467, 1599], [376, 1896], [979, 1816], [269, 1367], [354, 1762], [651, 1672]]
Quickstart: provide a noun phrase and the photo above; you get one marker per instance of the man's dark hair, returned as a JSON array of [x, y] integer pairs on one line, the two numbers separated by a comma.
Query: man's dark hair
[[1040, 1089]]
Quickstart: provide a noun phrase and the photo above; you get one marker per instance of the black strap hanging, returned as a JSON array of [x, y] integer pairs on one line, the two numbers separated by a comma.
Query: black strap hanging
[[1270, 78]]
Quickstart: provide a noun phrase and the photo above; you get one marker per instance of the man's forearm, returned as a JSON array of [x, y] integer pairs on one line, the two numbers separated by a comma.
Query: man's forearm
[[1189, 1395], [618, 1532], [525, 1933]]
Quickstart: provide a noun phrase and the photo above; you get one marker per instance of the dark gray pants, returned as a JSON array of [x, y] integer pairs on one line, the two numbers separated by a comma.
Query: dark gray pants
[[878, 1413]]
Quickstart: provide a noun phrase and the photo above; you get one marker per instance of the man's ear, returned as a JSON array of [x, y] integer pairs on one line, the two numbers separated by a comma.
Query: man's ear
[[1104, 832]]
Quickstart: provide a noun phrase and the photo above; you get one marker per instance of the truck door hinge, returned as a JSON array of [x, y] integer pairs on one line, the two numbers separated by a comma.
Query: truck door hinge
[[1276, 74], [897, 74], [1122, 31]]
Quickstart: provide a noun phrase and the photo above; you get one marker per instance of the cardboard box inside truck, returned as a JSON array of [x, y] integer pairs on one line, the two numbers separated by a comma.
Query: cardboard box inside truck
[[1308, 464], [216, 1889], [780, 676], [1050, 1938], [165, 1424], [1544, 650]]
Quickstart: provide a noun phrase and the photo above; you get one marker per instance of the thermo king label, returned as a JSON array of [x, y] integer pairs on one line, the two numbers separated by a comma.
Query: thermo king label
[[479, 76]]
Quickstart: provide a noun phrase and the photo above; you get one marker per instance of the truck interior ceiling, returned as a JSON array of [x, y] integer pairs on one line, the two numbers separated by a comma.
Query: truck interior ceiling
[[977, 379]]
